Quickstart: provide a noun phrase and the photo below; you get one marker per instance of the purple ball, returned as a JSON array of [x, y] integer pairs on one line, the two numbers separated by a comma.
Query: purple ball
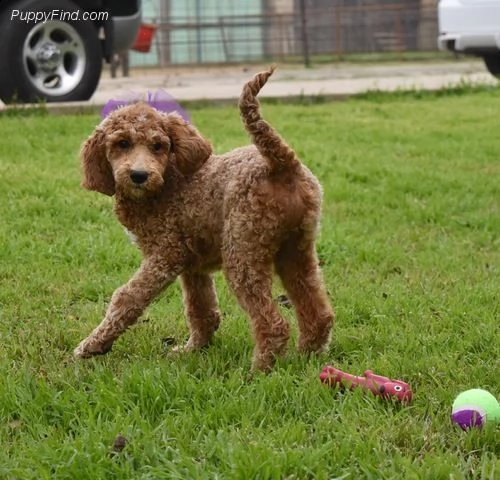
[[474, 408]]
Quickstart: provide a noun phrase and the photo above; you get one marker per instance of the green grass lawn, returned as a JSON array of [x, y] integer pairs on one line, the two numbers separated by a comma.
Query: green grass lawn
[[410, 246]]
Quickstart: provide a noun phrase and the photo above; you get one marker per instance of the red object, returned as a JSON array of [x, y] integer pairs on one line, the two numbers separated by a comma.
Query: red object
[[381, 386], [144, 38]]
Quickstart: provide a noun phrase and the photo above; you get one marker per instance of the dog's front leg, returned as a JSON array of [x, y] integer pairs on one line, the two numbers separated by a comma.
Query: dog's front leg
[[127, 304]]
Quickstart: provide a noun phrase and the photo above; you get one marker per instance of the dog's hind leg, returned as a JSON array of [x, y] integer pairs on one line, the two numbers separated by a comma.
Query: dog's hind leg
[[200, 304], [297, 265]]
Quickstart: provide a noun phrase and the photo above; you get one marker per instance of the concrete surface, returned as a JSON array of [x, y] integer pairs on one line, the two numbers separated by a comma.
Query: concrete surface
[[223, 83]]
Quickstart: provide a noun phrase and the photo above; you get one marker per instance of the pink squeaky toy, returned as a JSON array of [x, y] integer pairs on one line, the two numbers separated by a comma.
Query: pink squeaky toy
[[380, 386]]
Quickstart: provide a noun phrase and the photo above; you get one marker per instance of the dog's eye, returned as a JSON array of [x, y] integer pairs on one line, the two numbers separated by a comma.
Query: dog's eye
[[124, 144], [157, 146]]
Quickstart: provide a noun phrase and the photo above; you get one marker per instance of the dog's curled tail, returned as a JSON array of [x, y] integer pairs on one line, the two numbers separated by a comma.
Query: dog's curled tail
[[265, 138]]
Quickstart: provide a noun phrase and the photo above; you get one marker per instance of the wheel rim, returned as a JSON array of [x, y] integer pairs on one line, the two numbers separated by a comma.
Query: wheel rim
[[54, 58]]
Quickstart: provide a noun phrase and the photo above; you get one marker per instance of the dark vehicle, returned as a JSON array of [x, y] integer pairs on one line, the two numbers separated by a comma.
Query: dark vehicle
[[54, 49]]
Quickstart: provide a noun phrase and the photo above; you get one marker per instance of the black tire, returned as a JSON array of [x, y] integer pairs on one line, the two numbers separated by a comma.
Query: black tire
[[492, 62], [24, 52]]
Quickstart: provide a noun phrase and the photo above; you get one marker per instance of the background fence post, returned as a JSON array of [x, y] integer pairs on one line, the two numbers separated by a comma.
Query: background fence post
[[305, 33]]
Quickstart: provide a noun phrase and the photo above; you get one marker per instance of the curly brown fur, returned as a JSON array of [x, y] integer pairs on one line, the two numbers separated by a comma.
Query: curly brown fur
[[248, 212]]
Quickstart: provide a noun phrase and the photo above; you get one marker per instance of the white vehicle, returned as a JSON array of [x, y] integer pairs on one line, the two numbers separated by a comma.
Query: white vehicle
[[471, 27]]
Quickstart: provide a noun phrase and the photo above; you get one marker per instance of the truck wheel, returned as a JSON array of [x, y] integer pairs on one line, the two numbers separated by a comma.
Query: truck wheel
[[56, 60], [492, 62]]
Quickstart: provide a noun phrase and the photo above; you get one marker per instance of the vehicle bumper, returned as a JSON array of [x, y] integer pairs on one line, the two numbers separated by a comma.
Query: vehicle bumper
[[125, 31], [469, 42]]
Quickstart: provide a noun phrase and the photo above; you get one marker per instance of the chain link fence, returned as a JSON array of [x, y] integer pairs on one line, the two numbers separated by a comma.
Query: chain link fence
[[233, 31]]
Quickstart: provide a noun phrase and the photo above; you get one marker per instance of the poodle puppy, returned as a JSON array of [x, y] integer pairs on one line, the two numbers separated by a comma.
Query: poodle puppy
[[251, 211]]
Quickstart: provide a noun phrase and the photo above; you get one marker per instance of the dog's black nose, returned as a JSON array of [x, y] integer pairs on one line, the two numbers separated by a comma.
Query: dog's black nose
[[138, 176]]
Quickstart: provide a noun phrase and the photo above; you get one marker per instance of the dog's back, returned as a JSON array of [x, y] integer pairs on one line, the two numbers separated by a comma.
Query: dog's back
[[266, 177]]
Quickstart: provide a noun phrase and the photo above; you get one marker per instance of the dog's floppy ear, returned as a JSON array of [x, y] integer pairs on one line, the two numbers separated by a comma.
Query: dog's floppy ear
[[190, 150], [96, 171]]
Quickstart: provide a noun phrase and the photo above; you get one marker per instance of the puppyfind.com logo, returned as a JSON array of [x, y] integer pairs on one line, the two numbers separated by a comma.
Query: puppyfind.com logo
[[38, 16]]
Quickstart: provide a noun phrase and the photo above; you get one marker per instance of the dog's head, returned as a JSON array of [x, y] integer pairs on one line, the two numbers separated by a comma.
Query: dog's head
[[130, 150]]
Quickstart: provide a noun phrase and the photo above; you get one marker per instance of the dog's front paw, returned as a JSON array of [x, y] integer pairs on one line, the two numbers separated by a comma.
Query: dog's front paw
[[89, 348]]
